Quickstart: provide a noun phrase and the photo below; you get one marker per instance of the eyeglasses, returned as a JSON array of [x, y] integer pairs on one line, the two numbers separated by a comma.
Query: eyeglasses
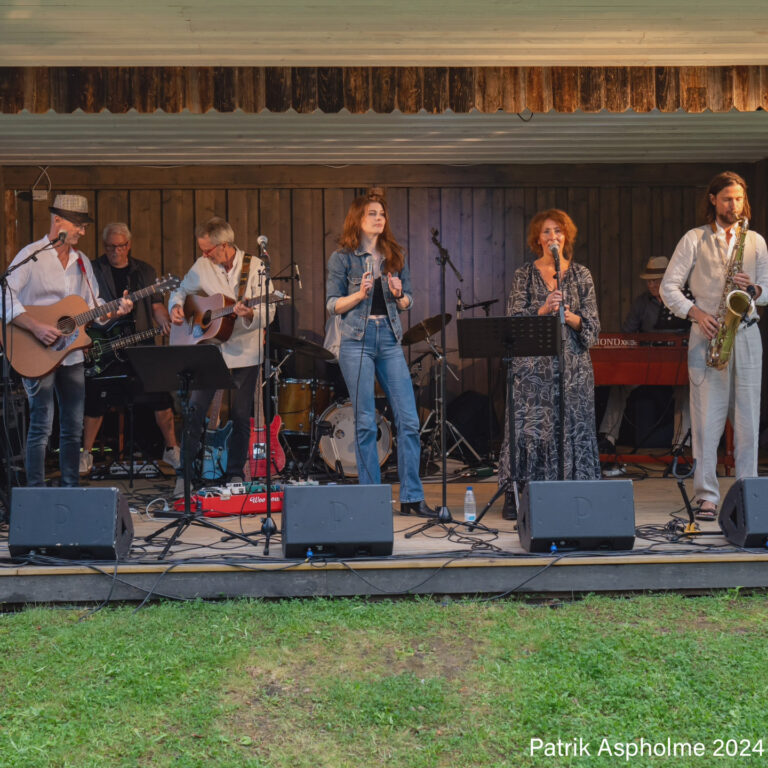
[[118, 246], [210, 250]]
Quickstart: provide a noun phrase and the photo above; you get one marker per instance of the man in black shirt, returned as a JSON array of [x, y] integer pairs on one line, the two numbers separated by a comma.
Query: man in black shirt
[[646, 315], [116, 271]]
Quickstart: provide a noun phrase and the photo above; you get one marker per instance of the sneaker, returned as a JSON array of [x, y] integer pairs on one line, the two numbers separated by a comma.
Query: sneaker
[[172, 456], [178, 489], [86, 462]]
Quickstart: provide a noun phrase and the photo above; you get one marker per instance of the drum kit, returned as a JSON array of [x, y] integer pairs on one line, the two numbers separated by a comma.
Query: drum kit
[[318, 417]]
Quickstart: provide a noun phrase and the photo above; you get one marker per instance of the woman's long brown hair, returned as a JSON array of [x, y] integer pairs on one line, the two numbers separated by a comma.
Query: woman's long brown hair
[[394, 257]]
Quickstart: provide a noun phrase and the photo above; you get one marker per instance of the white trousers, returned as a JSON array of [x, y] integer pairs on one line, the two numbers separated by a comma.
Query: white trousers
[[733, 393]]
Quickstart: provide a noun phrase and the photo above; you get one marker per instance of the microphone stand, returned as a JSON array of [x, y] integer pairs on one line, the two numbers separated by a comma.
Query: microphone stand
[[6, 378], [560, 366], [442, 259]]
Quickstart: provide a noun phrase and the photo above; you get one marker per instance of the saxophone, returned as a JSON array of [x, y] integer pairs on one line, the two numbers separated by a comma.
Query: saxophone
[[734, 305]]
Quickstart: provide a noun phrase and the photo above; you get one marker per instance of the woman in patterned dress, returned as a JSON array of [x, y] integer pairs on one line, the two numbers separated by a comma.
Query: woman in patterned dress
[[535, 391]]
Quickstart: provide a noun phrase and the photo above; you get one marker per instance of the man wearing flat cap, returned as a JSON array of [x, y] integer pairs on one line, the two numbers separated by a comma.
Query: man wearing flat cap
[[58, 271], [646, 315]]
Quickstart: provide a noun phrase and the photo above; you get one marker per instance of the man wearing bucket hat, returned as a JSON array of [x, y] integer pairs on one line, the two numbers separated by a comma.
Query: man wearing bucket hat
[[646, 315], [58, 271]]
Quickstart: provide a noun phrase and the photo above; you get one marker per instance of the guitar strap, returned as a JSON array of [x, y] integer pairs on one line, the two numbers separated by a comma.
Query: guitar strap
[[245, 271], [87, 281]]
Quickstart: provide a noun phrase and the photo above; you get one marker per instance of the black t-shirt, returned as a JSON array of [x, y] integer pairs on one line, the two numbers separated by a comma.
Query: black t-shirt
[[120, 277]]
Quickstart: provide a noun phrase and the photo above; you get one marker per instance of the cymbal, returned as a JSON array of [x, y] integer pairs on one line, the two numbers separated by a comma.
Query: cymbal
[[300, 346], [424, 329]]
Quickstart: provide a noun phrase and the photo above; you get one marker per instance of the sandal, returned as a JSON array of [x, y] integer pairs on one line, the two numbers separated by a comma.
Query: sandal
[[705, 514]]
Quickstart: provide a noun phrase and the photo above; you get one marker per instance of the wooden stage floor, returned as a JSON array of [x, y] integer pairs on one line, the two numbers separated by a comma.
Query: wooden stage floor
[[439, 561]]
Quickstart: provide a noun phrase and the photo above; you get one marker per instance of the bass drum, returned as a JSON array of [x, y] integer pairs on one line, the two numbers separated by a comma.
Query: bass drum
[[340, 444]]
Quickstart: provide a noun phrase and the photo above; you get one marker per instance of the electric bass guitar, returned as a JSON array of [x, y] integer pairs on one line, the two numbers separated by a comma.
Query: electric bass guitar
[[33, 359], [107, 346], [212, 318]]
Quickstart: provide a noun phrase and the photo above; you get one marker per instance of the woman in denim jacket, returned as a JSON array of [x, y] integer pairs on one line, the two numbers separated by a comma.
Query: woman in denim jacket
[[368, 284]]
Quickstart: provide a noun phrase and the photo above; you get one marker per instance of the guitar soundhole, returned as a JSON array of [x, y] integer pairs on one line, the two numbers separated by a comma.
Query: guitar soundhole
[[205, 320], [66, 324]]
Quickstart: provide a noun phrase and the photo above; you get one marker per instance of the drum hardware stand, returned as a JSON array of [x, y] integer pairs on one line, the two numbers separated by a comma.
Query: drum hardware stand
[[190, 367], [508, 338], [438, 413]]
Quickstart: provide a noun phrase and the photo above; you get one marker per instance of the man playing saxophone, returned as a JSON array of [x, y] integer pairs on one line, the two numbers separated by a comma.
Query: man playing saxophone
[[724, 369]]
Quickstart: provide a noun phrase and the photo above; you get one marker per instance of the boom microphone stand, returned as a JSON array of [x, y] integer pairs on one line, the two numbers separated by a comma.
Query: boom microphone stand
[[5, 441]]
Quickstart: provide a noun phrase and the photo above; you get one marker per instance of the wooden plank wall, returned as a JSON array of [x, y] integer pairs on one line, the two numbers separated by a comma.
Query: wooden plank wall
[[483, 227]]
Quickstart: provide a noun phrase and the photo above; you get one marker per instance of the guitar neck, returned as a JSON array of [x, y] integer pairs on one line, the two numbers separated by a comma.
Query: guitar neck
[[271, 299], [105, 309], [126, 341]]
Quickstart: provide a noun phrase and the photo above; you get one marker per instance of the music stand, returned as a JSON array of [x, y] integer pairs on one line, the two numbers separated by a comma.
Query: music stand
[[185, 368], [508, 338]]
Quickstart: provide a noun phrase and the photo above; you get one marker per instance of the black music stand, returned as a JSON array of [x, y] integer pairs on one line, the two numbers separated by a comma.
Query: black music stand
[[508, 338], [185, 368]]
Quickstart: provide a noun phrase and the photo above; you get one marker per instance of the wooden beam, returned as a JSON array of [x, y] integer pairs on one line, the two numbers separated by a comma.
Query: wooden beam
[[382, 89]]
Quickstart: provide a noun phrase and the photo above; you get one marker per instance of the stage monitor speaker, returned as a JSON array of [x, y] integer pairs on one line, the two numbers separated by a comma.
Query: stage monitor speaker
[[743, 515], [576, 515], [337, 520], [70, 523]]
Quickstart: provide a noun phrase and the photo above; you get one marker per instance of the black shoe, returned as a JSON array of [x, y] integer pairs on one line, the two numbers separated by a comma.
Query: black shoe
[[604, 445], [509, 512], [418, 508]]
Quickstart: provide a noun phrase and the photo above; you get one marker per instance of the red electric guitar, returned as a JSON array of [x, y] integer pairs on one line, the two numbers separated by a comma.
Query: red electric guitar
[[256, 466]]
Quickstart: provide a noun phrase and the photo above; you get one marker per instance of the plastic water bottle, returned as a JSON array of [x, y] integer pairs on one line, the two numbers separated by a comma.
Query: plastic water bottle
[[470, 507]]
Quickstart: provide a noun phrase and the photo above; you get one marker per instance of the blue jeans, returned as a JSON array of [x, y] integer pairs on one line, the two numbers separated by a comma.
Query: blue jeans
[[379, 353], [68, 382]]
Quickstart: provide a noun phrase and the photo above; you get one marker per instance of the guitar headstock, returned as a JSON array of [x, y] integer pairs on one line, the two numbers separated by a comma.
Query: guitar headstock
[[168, 283]]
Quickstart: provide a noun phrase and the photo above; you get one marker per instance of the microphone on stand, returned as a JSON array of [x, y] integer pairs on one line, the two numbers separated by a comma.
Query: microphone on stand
[[262, 241], [298, 275], [60, 238], [459, 304], [555, 251]]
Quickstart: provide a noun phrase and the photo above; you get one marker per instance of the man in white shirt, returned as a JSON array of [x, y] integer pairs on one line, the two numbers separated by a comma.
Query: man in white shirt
[[701, 258], [219, 270], [59, 271]]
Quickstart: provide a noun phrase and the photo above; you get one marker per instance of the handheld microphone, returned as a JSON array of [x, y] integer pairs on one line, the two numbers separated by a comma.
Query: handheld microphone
[[459, 304], [298, 275], [262, 241], [555, 251], [368, 264]]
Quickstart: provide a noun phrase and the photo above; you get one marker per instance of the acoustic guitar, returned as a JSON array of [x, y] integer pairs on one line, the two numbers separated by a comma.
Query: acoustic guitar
[[33, 359], [212, 318]]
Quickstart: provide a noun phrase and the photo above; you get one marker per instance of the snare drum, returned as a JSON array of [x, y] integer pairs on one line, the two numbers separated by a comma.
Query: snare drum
[[299, 401], [340, 444]]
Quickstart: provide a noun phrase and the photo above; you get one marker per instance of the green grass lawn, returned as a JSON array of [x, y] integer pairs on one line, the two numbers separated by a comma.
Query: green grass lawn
[[407, 683]]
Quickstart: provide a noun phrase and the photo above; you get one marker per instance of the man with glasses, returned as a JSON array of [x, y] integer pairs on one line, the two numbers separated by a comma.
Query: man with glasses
[[224, 268], [116, 271], [58, 271]]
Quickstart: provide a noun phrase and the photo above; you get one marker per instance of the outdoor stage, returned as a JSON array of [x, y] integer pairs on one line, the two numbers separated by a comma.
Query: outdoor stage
[[439, 561]]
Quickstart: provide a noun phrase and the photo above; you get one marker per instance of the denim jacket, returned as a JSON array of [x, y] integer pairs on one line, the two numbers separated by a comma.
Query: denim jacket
[[345, 273]]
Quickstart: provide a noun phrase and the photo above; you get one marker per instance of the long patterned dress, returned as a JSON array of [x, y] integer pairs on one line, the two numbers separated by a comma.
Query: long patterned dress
[[535, 390]]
